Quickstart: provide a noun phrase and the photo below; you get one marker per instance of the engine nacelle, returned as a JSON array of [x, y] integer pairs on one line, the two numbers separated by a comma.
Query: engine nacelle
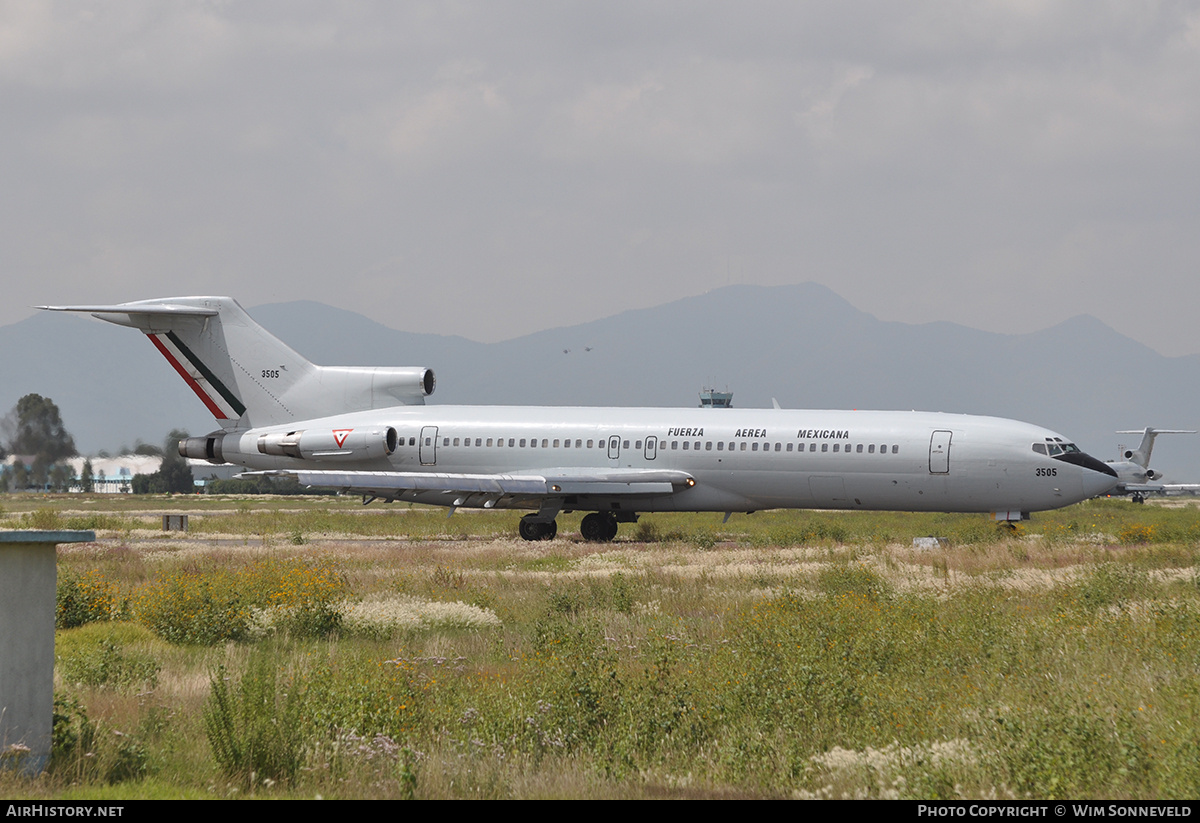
[[358, 388], [1151, 474], [203, 448], [358, 443]]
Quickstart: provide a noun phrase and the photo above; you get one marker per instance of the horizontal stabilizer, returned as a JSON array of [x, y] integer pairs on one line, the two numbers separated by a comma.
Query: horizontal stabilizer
[[143, 307], [138, 314]]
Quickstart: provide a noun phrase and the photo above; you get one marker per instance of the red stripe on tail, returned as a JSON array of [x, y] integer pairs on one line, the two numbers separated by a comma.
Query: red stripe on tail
[[191, 381]]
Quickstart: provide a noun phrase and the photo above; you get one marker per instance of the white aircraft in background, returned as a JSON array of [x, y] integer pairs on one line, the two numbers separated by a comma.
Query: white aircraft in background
[[1134, 475], [367, 430]]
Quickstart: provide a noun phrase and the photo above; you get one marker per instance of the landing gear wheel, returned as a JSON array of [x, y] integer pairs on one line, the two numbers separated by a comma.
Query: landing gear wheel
[[533, 530], [1007, 526], [1137, 498], [610, 528], [598, 527]]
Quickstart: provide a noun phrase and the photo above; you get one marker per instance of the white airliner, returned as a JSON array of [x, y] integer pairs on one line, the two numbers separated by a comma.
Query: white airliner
[[368, 431], [1134, 475]]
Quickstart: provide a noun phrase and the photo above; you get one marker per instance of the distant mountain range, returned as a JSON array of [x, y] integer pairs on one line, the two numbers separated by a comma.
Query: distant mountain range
[[802, 344]]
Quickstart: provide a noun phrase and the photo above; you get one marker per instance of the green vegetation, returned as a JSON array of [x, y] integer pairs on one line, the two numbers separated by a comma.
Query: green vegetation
[[214, 603], [34, 429], [173, 476], [392, 652]]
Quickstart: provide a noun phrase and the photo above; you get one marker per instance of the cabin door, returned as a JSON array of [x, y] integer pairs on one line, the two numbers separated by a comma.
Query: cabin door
[[939, 453], [428, 445]]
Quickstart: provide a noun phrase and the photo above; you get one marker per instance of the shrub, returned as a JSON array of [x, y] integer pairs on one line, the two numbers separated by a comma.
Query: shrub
[[190, 607], [215, 605], [84, 599]]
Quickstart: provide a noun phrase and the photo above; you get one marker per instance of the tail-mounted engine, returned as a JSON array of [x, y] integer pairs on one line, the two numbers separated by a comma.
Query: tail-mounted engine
[[203, 448], [360, 443]]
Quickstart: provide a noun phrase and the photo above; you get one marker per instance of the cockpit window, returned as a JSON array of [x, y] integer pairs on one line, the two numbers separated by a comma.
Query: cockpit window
[[1056, 447]]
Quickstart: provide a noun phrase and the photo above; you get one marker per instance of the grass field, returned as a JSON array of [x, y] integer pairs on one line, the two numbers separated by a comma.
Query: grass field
[[292, 647]]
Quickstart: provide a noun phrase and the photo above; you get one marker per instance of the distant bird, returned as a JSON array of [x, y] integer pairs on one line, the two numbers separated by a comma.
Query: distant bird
[[566, 351], [587, 348]]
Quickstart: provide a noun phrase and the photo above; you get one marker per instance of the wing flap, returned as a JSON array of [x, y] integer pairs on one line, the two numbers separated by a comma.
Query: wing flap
[[553, 483]]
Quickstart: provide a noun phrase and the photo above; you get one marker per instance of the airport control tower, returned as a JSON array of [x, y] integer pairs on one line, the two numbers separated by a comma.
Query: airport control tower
[[713, 399]]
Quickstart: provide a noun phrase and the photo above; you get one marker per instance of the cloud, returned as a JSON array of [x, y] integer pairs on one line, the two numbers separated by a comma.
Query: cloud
[[550, 163]]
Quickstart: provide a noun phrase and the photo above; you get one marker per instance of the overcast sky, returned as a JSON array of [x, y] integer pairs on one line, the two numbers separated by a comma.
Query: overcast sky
[[490, 169]]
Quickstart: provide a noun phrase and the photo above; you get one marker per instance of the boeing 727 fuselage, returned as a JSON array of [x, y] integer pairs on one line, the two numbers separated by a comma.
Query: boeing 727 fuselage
[[368, 431]]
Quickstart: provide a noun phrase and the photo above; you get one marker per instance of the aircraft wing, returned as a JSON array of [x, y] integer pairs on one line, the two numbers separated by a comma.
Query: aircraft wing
[[546, 484], [1129, 488], [1180, 488]]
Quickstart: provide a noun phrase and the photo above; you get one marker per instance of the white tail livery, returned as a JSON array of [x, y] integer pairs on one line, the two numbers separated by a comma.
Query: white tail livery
[[368, 431], [247, 377]]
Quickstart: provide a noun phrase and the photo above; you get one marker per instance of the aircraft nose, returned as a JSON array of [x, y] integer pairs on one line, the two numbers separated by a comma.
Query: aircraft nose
[[1086, 461], [1098, 477]]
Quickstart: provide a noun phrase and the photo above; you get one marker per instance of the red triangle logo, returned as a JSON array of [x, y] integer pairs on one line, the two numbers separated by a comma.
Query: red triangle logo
[[340, 435]]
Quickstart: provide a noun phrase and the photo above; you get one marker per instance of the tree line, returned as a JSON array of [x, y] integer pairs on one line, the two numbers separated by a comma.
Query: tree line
[[34, 433]]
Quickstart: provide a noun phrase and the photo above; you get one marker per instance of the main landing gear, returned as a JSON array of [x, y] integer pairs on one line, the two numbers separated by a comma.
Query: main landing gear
[[532, 529], [598, 527]]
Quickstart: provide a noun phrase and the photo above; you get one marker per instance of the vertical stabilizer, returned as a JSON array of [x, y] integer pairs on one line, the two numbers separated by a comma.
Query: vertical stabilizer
[[246, 376], [1141, 455]]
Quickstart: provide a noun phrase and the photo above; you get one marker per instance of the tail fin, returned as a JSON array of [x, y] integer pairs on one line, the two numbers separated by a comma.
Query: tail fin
[[245, 375], [1141, 455]]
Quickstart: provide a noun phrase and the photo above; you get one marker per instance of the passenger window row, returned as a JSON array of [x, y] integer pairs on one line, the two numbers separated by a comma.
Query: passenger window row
[[778, 447], [675, 445], [514, 443]]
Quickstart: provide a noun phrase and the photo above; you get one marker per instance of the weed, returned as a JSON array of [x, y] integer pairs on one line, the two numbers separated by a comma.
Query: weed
[[563, 602], [104, 663], [1137, 533], [1069, 751], [443, 578], [48, 519], [1109, 584], [72, 740], [254, 727], [854, 579]]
